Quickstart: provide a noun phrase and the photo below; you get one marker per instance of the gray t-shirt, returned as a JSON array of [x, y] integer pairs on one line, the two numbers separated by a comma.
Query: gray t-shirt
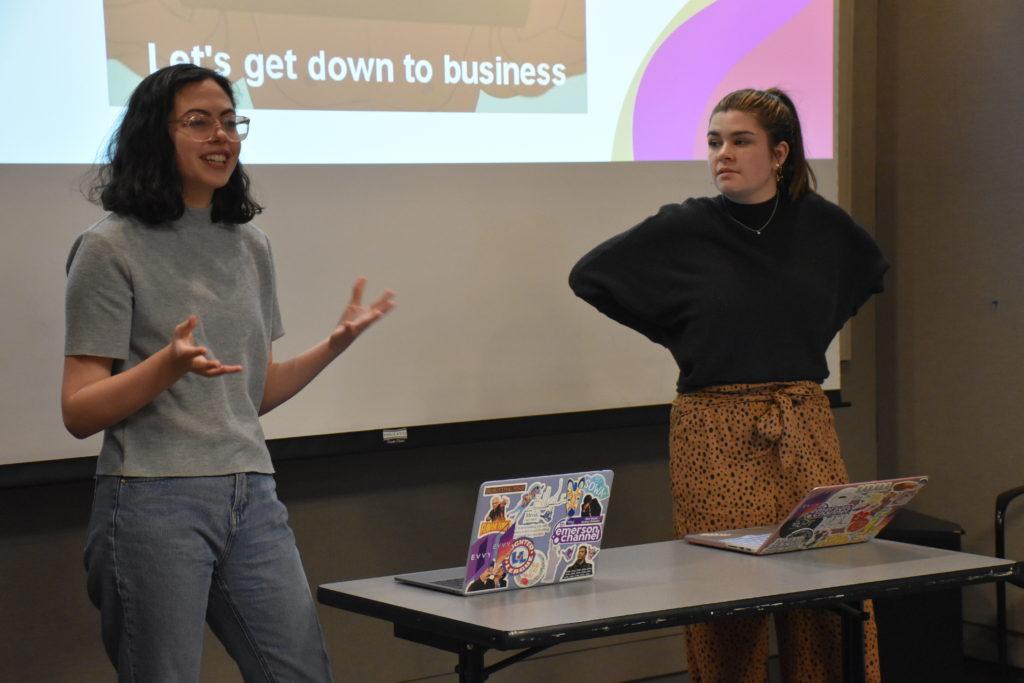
[[129, 284]]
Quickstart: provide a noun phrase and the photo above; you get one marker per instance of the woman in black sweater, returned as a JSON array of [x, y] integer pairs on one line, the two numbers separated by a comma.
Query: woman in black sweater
[[746, 290]]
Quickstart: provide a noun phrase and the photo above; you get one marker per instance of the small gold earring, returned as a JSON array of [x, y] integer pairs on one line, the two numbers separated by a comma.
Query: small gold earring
[[778, 173]]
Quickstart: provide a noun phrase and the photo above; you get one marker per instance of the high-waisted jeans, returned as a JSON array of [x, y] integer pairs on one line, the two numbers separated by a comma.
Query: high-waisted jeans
[[163, 555]]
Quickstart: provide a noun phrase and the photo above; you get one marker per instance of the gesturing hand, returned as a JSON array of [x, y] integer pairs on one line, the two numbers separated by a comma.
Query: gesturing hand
[[358, 317], [189, 357]]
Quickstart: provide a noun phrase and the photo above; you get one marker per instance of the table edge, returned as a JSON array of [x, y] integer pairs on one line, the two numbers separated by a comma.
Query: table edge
[[549, 635]]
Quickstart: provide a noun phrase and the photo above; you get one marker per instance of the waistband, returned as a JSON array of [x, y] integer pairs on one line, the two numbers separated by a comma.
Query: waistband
[[769, 391], [779, 399]]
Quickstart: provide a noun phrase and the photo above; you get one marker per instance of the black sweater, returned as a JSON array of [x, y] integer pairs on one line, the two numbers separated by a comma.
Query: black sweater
[[733, 306]]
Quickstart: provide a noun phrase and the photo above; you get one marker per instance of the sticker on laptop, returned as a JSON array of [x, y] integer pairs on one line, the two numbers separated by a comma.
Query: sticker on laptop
[[583, 567]]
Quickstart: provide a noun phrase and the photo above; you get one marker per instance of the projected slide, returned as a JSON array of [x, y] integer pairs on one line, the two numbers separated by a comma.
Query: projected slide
[[426, 81], [352, 55]]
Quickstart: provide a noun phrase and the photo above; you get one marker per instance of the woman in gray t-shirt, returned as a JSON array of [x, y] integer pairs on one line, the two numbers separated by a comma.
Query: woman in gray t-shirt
[[171, 310]]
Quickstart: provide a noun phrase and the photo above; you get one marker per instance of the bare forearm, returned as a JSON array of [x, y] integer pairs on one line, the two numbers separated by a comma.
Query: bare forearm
[[106, 402], [287, 378]]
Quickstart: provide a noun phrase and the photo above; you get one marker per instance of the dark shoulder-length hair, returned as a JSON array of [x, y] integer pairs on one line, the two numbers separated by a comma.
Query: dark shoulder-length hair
[[776, 113], [140, 177]]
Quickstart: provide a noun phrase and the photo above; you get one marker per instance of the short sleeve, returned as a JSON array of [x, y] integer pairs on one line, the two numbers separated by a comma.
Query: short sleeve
[[631, 277], [97, 300], [276, 324]]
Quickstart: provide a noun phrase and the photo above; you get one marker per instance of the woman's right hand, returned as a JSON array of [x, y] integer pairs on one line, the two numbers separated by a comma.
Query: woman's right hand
[[187, 356], [93, 399]]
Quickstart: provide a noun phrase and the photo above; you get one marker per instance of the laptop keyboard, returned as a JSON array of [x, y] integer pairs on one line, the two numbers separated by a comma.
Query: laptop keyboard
[[750, 541], [450, 583]]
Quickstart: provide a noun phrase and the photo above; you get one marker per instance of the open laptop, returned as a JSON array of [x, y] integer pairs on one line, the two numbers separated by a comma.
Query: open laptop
[[827, 516], [528, 532]]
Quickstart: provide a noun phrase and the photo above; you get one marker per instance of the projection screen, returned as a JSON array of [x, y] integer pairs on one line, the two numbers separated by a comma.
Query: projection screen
[[464, 153]]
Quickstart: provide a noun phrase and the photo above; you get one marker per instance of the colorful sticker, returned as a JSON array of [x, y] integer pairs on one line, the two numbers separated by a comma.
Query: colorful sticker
[[492, 578], [591, 506], [578, 530], [533, 574], [836, 539], [520, 556], [487, 552], [597, 487], [583, 566], [496, 520], [504, 488], [573, 496], [535, 509], [536, 522]]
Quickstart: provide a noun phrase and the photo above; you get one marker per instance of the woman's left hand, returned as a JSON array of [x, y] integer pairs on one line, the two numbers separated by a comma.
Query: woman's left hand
[[358, 317]]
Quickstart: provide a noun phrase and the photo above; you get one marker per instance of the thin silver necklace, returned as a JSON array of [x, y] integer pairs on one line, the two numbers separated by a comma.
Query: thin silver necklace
[[756, 231]]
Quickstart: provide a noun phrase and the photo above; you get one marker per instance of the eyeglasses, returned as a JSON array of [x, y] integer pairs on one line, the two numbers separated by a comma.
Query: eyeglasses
[[202, 127]]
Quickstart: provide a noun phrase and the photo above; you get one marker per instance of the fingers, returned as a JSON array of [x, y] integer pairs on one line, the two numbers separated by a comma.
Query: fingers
[[195, 351], [186, 343], [356, 327], [223, 370], [183, 347], [210, 367], [385, 303], [357, 292], [195, 357], [357, 318], [185, 328]]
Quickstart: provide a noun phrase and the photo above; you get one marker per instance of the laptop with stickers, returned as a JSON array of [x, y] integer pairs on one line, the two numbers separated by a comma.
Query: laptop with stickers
[[528, 532], [827, 516]]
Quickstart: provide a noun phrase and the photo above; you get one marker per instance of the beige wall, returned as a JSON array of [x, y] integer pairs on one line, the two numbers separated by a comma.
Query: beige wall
[[855, 121], [950, 195]]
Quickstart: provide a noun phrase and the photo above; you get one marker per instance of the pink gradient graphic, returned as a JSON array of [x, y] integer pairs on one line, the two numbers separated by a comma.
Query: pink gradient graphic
[[798, 59], [733, 44]]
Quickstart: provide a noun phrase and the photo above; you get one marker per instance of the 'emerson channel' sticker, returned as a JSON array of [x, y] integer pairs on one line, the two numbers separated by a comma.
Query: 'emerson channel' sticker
[[579, 530]]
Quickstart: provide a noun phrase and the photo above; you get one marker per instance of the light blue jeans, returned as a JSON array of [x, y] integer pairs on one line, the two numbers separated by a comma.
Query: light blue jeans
[[163, 555]]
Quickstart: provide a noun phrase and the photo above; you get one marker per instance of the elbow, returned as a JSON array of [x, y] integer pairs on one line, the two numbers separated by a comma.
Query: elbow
[[573, 280], [577, 279], [76, 424], [267, 405], [588, 279], [585, 285], [77, 430]]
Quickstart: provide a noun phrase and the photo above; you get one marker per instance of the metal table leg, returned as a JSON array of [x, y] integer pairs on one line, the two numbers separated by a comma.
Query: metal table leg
[[471, 664], [853, 617]]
